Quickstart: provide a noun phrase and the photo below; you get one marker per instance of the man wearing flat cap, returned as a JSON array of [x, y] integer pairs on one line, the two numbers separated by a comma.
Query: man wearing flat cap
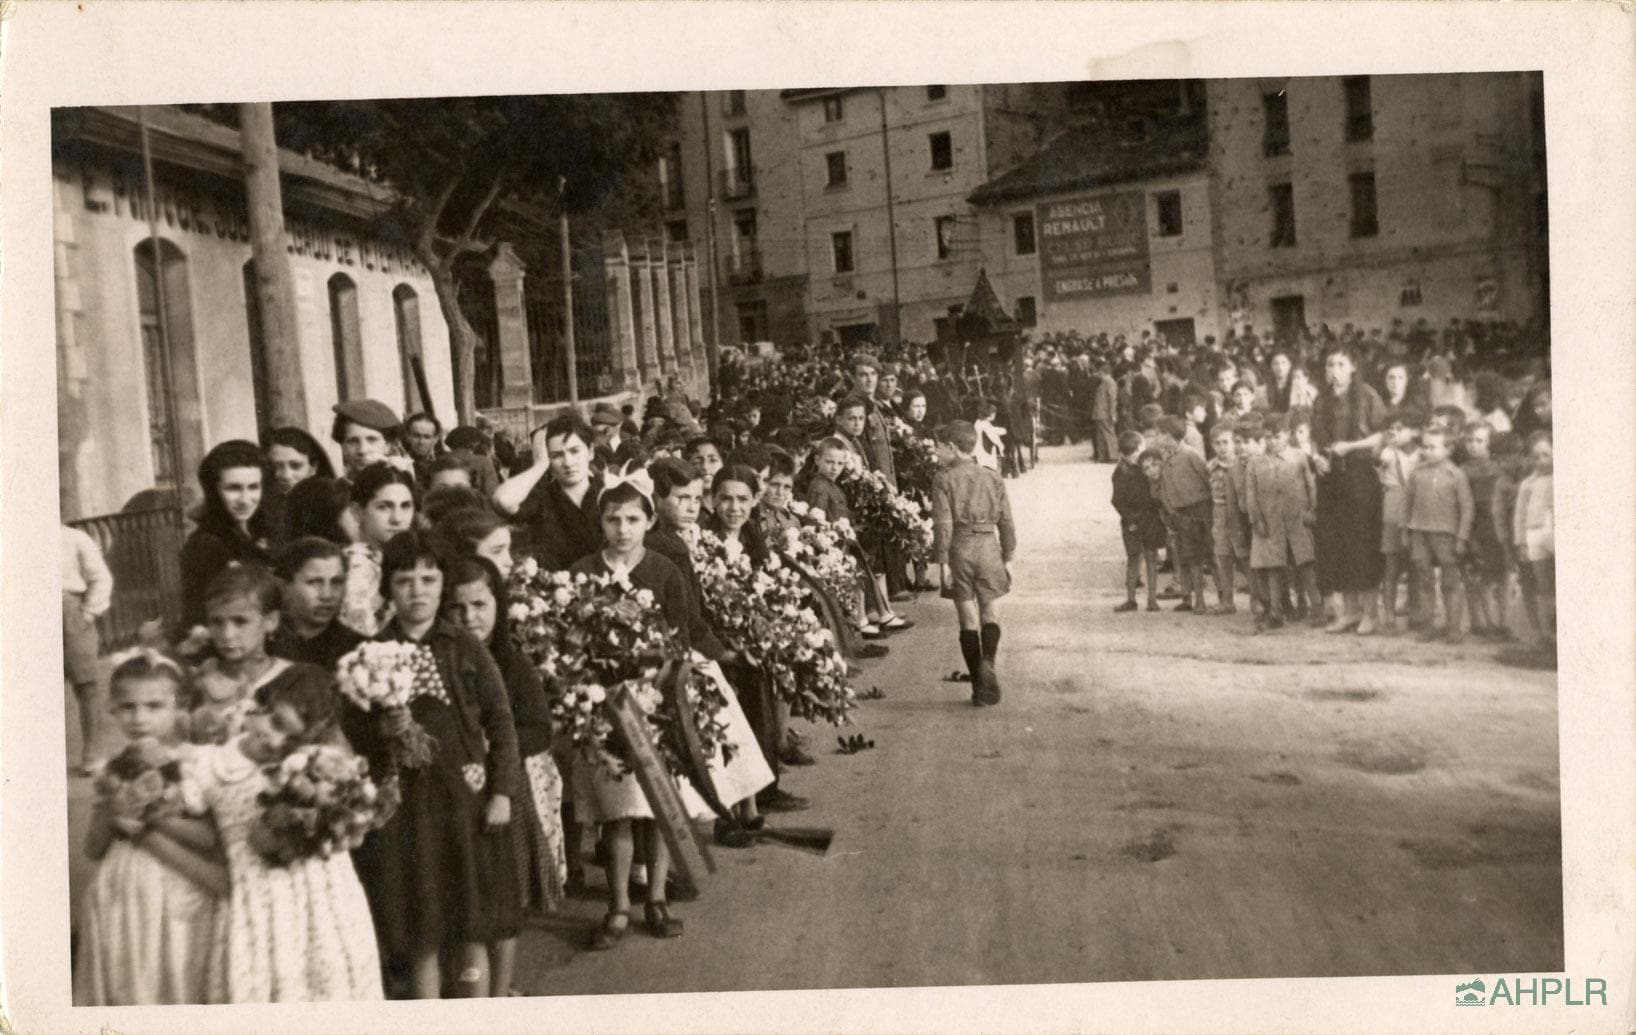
[[367, 431], [613, 448]]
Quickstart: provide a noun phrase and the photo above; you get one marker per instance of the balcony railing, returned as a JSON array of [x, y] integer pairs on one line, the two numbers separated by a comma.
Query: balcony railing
[[142, 549], [737, 183]]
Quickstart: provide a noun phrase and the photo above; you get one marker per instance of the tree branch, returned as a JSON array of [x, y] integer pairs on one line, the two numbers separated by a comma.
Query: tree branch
[[425, 244], [463, 242]]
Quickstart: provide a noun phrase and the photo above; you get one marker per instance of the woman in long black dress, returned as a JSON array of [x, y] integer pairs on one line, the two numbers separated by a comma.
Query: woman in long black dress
[[233, 527], [1346, 422], [440, 875]]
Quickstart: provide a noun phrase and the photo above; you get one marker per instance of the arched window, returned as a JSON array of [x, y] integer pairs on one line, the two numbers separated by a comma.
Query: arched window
[[171, 375], [258, 347], [346, 337], [406, 306]]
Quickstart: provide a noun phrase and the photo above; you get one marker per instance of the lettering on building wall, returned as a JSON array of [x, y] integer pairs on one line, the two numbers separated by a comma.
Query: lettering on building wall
[[122, 194], [1094, 245]]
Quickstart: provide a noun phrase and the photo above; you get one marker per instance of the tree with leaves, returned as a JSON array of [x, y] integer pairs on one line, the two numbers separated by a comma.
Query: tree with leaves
[[464, 171]]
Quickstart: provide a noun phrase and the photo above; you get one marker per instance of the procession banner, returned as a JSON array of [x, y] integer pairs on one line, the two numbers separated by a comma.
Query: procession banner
[[1094, 245]]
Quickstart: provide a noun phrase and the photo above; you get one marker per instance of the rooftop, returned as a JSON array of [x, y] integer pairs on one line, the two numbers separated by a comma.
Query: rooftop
[[1094, 154], [190, 141]]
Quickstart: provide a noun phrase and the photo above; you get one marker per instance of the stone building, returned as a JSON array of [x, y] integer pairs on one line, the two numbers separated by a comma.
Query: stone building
[[133, 418], [1369, 199], [1108, 227], [810, 244]]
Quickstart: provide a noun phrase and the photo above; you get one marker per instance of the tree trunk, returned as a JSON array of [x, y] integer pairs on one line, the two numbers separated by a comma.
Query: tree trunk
[[462, 342]]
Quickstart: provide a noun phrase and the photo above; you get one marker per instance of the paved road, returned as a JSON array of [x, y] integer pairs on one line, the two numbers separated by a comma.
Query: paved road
[[1160, 796]]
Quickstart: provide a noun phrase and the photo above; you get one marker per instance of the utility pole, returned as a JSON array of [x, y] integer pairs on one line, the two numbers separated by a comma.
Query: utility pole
[[711, 357], [275, 287], [567, 294], [891, 220]]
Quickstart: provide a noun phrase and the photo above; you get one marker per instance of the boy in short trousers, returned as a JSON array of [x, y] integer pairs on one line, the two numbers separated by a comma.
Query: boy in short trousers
[[974, 540]]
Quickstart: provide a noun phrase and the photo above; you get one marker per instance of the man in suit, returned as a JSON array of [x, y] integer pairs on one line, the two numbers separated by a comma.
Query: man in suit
[[1104, 410]]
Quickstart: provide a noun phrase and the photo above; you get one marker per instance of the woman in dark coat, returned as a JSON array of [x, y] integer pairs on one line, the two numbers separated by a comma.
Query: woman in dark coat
[[1346, 421], [233, 527]]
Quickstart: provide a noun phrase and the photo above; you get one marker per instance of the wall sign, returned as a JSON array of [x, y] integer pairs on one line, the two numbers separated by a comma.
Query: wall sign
[[1094, 245]]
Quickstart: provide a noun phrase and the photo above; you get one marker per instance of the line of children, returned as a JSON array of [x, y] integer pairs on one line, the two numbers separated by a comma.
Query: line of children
[[1454, 530]]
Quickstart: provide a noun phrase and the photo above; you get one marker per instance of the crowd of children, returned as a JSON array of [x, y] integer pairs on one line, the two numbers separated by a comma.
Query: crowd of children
[[1316, 501], [290, 569], [1464, 511]]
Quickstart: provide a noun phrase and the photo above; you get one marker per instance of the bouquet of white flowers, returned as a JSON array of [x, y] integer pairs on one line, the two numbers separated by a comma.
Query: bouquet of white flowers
[[380, 677]]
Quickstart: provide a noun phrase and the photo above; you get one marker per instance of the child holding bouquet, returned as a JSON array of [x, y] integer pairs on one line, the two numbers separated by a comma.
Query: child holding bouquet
[[296, 926], [616, 802], [441, 873], [149, 914]]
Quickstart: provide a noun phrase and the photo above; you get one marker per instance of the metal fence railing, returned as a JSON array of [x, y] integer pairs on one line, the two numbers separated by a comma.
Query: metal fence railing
[[142, 549]]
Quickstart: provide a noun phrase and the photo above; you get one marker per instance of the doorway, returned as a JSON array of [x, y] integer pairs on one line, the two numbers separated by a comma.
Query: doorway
[[1176, 332]]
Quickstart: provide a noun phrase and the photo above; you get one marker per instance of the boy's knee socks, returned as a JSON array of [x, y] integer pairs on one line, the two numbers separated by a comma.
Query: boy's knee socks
[[990, 640], [971, 648]]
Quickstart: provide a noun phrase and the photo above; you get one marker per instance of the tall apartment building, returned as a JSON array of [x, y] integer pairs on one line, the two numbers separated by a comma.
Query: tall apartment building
[[842, 213], [1368, 199]]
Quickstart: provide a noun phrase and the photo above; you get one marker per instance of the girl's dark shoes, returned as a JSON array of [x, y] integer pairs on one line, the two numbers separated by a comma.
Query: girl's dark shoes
[[657, 919], [611, 932], [732, 836]]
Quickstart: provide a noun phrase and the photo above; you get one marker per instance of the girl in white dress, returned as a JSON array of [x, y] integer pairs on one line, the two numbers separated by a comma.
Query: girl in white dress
[[149, 914], [296, 933]]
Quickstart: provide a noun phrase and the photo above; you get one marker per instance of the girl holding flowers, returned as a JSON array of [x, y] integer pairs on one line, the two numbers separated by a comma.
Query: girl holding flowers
[[613, 799], [476, 601], [296, 926], [736, 489], [149, 914], [441, 873]]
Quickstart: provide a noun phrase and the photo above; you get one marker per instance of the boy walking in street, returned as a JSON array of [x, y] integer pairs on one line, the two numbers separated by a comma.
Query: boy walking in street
[[974, 540]]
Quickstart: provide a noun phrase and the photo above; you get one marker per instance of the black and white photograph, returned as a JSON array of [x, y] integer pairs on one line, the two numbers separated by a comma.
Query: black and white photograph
[[879, 535]]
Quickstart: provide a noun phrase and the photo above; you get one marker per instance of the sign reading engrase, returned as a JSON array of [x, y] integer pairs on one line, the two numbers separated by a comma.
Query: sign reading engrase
[[1093, 246]]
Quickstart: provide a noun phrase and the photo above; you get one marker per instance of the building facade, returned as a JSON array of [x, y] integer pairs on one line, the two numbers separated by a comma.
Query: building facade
[[1108, 227], [843, 213], [1369, 199], [137, 416], [134, 418]]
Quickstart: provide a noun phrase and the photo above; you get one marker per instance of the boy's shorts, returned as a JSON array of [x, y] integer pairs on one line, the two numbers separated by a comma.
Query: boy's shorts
[[1148, 535], [976, 567], [1428, 548], [1391, 537], [1192, 528]]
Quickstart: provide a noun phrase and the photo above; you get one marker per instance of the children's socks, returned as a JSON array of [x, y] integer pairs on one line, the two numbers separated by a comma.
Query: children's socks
[[971, 648], [990, 640], [990, 645]]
